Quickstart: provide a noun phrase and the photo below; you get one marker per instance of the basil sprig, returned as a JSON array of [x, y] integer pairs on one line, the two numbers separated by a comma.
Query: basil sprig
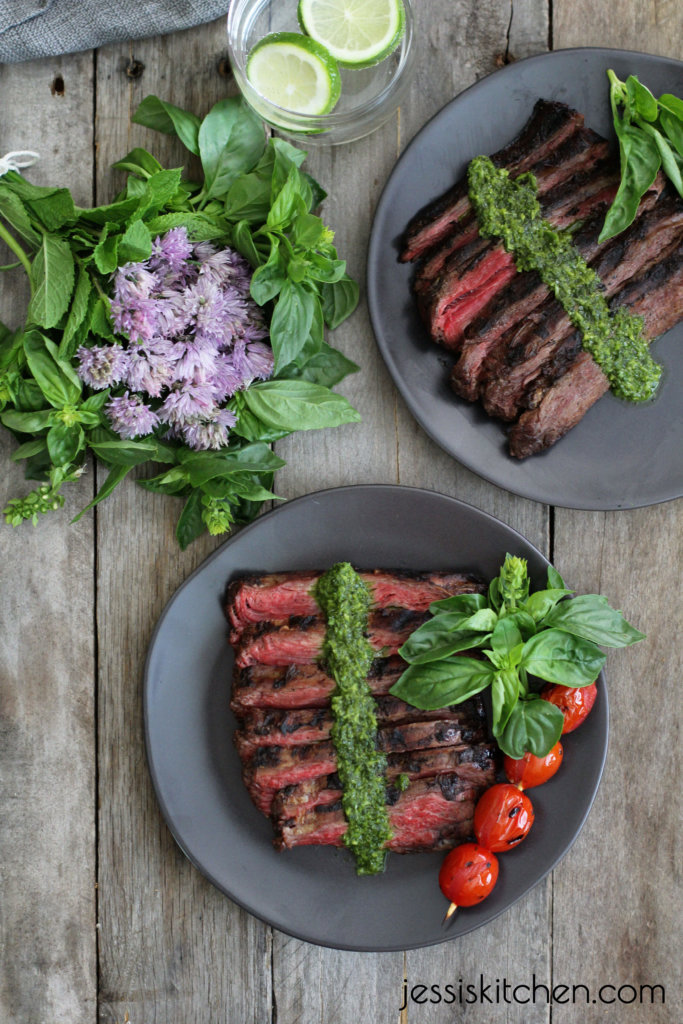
[[650, 135], [254, 195], [520, 638]]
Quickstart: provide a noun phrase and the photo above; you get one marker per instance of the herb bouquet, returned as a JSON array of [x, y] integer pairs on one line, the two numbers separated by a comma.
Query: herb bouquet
[[182, 324]]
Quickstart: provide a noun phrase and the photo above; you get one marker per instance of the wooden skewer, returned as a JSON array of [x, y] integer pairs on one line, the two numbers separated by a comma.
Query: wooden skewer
[[449, 913]]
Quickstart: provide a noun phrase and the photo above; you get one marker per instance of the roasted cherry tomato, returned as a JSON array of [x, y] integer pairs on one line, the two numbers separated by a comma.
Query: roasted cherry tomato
[[467, 875], [502, 817], [574, 703], [529, 771]]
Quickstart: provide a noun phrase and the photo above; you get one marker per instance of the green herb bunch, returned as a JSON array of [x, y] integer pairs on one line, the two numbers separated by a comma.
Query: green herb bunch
[[523, 637], [650, 135], [253, 197]]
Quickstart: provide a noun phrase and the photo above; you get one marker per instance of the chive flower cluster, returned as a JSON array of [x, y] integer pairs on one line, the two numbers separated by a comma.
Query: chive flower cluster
[[192, 337]]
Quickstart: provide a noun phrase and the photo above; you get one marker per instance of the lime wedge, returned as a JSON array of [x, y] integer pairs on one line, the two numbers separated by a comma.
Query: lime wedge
[[295, 72], [358, 33]]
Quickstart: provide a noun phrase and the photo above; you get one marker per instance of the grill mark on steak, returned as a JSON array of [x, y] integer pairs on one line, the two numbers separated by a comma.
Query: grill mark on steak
[[300, 641], [260, 597], [486, 337], [263, 727], [272, 768], [549, 125], [438, 809], [473, 274], [299, 686], [548, 342], [657, 296], [475, 765]]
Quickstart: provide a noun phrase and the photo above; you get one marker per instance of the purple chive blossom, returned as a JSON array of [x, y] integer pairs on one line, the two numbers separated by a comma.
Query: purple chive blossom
[[194, 338], [130, 417], [211, 432], [187, 403], [102, 365]]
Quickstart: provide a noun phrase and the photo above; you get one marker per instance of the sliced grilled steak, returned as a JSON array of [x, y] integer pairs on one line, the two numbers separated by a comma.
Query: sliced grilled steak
[[657, 296], [429, 811], [487, 336], [301, 686], [272, 768], [271, 727], [475, 765], [549, 125], [258, 598], [299, 641], [474, 274], [547, 343]]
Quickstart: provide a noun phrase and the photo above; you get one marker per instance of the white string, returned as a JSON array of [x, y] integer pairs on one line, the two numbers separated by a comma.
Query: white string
[[17, 159]]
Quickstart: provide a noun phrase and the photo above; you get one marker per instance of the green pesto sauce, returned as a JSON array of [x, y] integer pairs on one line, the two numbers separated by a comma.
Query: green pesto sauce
[[510, 210], [345, 599]]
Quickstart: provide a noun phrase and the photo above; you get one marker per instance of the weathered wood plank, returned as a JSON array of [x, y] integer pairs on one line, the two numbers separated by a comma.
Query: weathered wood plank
[[633, 558], [171, 946], [653, 26], [47, 650]]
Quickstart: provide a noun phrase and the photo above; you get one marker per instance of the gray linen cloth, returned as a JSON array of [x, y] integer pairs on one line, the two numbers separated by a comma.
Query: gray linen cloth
[[45, 28]]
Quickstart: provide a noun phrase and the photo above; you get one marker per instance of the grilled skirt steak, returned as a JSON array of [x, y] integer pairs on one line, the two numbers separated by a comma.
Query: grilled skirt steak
[[281, 698], [548, 127]]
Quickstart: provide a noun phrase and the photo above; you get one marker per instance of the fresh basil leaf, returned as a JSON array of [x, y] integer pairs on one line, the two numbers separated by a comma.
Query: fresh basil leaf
[[534, 725], [27, 394], [327, 367], [242, 239], [505, 636], [95, 403], [591, 617], [284, 157], [64, 442], [231, 140], [267, 280], [640, 161], [250, 427], [540, 602], [466, 604], [555, 581], [439, 638], [67, 371], [291, 201], [100, 320], [52, 273], [135, 244], [139, 162], [298, 405], [172, 481], [165, 117], [672, 103], [57, 386], [114, 478], [291, 322], [190, 524], [27, 422], [124, 453], [77, 314], [505, 687], [640, 99], [318, 193], [29, 449], [442, 683], [339, 300], [673, 128], [200, 228], [209, 466], [307, 230], [668, 157], [320, 268], [560, 657]]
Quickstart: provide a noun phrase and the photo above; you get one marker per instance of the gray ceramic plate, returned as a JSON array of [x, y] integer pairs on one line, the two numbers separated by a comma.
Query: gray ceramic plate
[[619, 455], [314, 893]]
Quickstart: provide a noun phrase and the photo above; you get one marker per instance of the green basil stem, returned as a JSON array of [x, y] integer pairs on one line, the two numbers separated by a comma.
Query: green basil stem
[[12, 244]]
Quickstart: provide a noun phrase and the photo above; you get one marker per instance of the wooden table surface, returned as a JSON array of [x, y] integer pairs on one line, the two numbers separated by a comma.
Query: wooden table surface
[[103, 919]]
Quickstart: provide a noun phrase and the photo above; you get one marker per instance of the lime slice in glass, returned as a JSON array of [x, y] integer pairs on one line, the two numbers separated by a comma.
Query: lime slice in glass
[[294, 72], [358, 33]]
